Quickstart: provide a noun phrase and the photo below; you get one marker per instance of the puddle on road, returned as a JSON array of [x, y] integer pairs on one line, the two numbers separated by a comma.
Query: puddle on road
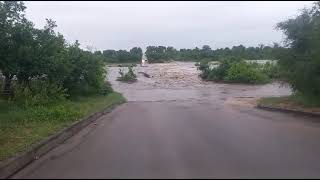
[[180, 81]]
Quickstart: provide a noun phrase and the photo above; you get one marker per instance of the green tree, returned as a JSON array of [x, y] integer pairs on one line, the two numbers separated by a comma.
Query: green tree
[[301, 60], [12, 19]]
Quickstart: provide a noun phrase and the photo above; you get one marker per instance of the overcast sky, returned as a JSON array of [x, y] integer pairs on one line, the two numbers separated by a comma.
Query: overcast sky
[[122, 25]]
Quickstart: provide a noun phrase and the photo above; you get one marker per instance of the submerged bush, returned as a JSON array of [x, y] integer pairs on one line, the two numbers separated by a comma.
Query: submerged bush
[[243, 72], [271, 70], [130, 76], [215, 73], [234, 70]]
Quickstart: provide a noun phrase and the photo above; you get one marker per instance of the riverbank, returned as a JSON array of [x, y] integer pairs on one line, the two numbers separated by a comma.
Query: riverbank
[[291, 103], [22, 127]]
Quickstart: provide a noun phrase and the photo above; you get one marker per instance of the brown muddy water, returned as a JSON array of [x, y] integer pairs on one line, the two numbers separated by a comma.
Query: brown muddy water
[[180, 81]]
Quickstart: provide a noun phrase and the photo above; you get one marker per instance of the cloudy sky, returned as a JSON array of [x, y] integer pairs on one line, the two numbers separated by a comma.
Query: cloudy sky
[[122, 25]]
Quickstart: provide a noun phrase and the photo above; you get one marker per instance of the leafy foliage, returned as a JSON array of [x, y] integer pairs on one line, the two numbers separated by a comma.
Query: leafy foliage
[[39, 92], [301, 61], [272, 70], [31, 56], [242, 72], [216, 73], [234, 70], [130, 76], [121, 56], [163, 54]]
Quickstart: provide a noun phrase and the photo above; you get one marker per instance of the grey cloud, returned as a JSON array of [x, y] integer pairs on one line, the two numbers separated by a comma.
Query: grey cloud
[[122, 25]]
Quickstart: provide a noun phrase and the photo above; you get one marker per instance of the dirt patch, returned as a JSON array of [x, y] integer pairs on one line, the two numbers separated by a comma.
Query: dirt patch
[[288, 103], [242, 101]]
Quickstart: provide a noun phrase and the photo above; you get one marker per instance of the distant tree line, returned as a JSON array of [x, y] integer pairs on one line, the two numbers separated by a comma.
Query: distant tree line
[[162, 53], [121, 56]]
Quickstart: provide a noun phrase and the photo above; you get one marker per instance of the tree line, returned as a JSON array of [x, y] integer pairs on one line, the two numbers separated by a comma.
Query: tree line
[[158, 54], [121, 56], [163, 53]]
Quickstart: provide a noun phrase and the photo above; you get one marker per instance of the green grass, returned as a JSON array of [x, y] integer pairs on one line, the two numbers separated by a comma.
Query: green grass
[[21, 127]]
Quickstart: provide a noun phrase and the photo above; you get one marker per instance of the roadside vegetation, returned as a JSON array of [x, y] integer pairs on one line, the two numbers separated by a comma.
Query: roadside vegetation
[[234, 70], [22, 126], [300, 63], [46, 82], [128, 76]]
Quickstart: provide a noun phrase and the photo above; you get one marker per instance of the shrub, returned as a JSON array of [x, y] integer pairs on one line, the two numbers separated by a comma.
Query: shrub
[[242, 72], [87, 73], [1, 82], [216, 73], [234, 70], [107, 88], [38, 92], [271, 70], [130, 76]]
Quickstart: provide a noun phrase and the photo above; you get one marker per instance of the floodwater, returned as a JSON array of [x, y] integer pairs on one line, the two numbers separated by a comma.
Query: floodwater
[[178, 81]]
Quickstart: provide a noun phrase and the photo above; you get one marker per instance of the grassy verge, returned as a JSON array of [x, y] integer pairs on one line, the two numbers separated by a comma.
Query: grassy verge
[[20, 127], [294, 102]]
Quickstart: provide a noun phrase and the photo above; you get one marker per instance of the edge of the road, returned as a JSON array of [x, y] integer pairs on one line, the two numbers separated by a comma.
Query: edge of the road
[[285, 110], [12, 165]]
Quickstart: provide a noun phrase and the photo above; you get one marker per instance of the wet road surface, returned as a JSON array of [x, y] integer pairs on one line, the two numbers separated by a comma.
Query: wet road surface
[[189, 129]]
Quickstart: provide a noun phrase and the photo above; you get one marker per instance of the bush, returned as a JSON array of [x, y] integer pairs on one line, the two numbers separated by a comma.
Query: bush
[[1, 82], [38, 92], [300, 62], [216, 73], [234, 70], [243, 72], [87, 73], [271, 70], [130, 76], [107, 88]]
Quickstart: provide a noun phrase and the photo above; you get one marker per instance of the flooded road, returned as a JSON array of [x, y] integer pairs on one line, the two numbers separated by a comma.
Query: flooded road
[[176, 126]]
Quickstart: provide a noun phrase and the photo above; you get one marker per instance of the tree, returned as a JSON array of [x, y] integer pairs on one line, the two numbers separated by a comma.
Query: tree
[[12, 20], [136, 54], [206, 51], [301, 60]]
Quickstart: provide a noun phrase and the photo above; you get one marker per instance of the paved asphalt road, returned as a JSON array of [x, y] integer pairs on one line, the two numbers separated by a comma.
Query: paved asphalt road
[[187, 139]]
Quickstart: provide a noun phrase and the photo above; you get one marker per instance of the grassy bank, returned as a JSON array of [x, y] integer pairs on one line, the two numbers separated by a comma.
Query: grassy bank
[[20, 127], [294, 102]]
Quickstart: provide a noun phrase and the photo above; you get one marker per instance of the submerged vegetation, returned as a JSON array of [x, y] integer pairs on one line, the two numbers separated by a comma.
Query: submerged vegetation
[[129, 76], [234, 70]]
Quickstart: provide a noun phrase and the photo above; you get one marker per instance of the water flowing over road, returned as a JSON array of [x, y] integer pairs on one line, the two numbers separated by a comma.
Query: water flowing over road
[[176, 126]]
